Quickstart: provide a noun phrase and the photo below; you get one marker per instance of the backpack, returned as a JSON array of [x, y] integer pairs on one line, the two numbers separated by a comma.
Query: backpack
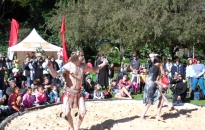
[[107, 95]]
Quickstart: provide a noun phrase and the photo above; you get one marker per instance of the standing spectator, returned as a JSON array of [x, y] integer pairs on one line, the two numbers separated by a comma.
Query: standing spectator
[[15, 99], [135, 66], [190, 75], [40, 96], [27, 67], [28, 100], [59, 61], [2, 71], [111, 72], [33, 56], [97, 62], [55, 67], [37, 64], [199, 70], [3, 94], [103, 74], [168, 67], [16, 63], [9, 67], [177, 68], [6, 84], [16, 77], [46, 72]]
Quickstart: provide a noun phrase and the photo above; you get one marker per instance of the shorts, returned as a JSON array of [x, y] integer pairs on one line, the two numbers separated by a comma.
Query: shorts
[[116, 91]]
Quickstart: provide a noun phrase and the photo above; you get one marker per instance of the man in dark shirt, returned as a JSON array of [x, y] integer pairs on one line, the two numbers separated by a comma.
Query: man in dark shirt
[[179, 90], [135, 66]]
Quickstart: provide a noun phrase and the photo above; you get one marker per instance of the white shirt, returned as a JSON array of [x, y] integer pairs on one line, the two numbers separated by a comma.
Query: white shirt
[[59, 62], [190, 71]]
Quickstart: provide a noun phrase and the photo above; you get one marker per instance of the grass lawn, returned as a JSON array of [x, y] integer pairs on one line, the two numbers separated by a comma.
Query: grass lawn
[[139, 96]]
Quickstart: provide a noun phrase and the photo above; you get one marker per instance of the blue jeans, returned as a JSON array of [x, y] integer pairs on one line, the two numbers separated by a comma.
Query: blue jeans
[[28, 81], [201, 83], [190, 80], [96, 78]]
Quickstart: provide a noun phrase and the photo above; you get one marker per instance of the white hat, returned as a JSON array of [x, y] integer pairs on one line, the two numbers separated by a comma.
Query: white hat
[[15, 70], [152, 55]]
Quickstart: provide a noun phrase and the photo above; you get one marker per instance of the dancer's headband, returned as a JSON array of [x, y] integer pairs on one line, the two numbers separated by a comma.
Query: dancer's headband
[[78, 53]]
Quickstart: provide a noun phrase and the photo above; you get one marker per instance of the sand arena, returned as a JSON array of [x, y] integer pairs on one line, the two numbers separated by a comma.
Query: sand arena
[[113, 115]]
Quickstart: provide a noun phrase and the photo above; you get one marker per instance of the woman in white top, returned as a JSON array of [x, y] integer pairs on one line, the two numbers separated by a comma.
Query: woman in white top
[[189, 75]]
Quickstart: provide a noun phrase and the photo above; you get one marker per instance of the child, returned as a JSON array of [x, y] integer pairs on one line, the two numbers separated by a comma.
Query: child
[[28, 100], [47, 86], [54, 97], [40, 96], [98, 94], [15, 99], [36, 82]]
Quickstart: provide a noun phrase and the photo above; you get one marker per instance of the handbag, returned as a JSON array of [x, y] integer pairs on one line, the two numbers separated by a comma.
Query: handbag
[[107, 95]]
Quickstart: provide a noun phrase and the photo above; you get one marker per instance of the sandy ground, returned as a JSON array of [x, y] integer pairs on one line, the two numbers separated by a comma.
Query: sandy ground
[[114, 115]]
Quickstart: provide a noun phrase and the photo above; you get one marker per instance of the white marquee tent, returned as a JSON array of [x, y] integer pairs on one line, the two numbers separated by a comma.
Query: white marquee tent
[[29, 45]]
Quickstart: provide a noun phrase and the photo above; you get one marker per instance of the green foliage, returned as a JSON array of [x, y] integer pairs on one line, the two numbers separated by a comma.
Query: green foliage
[[126, 60], [156, 24], [142, 26], [40, 50], [115, 60]]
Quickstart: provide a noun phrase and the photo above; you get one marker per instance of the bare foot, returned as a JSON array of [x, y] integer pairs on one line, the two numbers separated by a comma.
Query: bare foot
[[171, 107], [71, 129], [142, 118], [130, 98]]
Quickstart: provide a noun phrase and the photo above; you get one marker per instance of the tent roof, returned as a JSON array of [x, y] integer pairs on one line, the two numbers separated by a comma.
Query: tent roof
[[32, 41]]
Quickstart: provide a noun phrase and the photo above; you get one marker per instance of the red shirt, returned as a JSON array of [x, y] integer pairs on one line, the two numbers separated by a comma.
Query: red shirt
[[126, 83], [12, 100]]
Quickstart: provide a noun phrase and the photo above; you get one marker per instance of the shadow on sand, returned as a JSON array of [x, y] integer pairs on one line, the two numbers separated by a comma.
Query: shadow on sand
[[108, 124], [178, 113]]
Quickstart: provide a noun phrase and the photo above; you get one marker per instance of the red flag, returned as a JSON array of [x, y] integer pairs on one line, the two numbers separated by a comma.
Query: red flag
[[62, 32], [13, 33]]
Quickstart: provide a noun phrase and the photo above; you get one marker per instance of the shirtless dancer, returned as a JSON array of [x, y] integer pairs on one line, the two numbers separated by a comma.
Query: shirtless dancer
[[73, 98]]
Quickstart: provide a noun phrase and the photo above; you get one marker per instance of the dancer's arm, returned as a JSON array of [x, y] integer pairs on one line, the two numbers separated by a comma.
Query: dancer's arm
[[96, 68], [59, 72]]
